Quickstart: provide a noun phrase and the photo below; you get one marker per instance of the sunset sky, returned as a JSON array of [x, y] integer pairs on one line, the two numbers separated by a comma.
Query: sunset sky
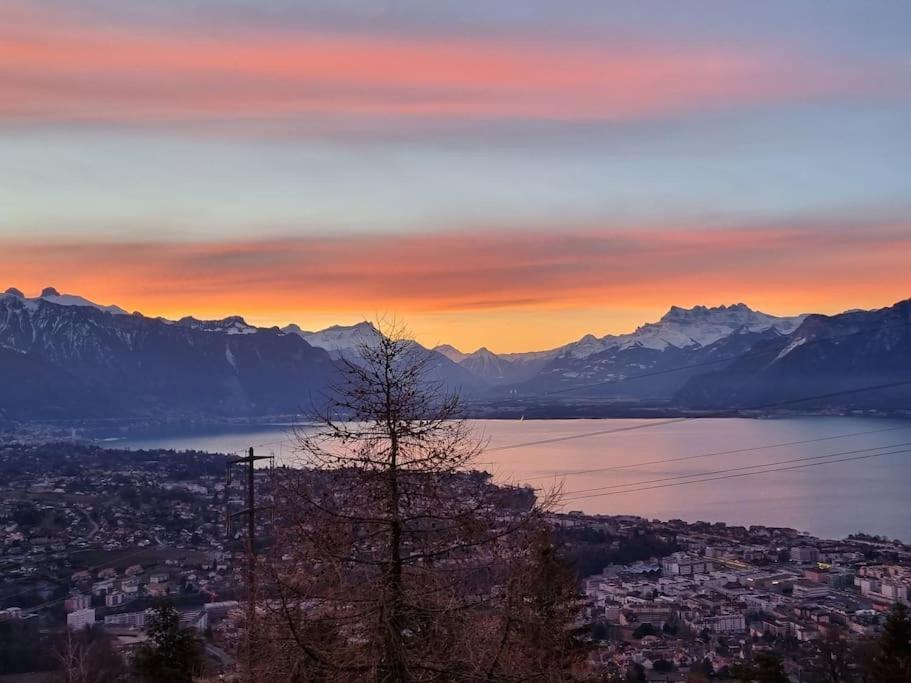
[[512, 174]]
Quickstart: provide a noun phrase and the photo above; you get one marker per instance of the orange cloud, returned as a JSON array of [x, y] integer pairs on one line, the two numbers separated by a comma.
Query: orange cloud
[[503, 281], [52, 68]]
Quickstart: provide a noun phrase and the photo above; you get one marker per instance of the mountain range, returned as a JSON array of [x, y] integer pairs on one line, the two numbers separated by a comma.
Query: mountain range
[[89, 361], [64, 357], [344, 342], [828, 356]]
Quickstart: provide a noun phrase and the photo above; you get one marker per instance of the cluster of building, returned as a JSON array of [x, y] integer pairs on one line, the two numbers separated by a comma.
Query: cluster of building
[[113, 597], [94, 537], [731, 590]]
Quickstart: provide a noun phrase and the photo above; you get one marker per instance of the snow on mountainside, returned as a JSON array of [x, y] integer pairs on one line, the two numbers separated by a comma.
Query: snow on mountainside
[[89, 362], [531, 358], [68, 357], [339, 340], [498, 369], [680, 328], [594, 358], [687, 327], [233, 324], [451, 352], [53, 296], [345, 342], [846, 354], [656, 353], [490, 367]]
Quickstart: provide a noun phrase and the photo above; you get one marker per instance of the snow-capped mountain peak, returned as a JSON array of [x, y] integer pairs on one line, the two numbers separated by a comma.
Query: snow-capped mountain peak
[[51, 295], [451, 352], [338, 340], [293, 328], [688, 327], [727, 315], [233, 324], [345, 342]]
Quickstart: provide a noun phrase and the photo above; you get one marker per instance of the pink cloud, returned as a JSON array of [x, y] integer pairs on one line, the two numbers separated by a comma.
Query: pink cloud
[[52, 68]]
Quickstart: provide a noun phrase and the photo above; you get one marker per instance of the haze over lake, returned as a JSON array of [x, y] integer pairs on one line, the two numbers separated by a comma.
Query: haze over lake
[[829, 500]]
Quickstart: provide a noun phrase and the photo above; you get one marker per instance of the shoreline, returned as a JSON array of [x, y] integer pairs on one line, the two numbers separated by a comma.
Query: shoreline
[[120, 429]]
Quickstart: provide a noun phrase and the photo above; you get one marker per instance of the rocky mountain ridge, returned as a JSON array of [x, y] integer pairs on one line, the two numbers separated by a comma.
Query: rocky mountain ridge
[[65, 356]]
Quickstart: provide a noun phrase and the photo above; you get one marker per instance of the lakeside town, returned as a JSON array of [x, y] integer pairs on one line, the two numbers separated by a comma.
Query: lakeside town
[[94, 538]]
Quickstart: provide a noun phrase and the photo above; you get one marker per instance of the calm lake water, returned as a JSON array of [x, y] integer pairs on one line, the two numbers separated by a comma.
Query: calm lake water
[[656, 457]]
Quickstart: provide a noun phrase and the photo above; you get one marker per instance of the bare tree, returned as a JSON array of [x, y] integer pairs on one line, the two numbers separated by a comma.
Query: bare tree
[[88, 656], [73, 657], [393, 559]]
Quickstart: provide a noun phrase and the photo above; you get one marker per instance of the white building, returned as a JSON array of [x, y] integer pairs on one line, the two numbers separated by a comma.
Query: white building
[[80, 619], [129, 620], [895, 591], [886, 590], [681, 564], [810, 589], [725, 623]]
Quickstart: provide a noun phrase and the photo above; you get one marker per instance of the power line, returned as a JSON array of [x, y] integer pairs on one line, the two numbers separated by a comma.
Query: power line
[[741, 474], [569, 473], [243, 450], [652, 423], [831, 394], [734, 412], [744, 467], [571, 437]]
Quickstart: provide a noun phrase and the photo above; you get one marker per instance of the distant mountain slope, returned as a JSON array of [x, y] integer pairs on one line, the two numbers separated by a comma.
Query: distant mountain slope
[[825, 354], [498, 369], [639, 372], [680, 339], [451, 352], [685, 328], [32, 388], [345, 342], [532, 360], [340, 341], [145, 366], [64, 356], [491, 367], [53, 296]]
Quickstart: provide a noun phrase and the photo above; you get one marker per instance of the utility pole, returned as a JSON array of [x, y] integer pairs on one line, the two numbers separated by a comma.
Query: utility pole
[[250, 512]]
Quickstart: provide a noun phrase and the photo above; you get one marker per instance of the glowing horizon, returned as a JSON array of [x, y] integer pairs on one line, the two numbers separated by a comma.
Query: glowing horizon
[[512, 176], [482, 289]]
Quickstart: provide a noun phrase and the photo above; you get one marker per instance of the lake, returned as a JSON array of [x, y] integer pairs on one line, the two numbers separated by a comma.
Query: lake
[[643, 467]]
